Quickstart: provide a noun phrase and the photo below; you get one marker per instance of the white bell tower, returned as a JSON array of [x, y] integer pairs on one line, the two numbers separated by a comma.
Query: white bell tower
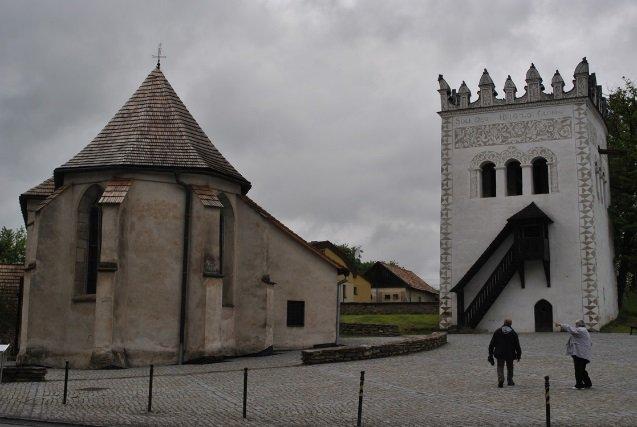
[[524, 230]]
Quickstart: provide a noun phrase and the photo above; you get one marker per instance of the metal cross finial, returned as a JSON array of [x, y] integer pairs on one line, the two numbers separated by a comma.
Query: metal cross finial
[[159, 56]]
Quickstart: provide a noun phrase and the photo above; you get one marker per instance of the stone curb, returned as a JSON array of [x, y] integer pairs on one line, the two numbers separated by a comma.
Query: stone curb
[[347, 354]]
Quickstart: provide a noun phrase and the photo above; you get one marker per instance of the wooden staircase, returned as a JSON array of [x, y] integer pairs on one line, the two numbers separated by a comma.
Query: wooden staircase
[[491, 289]]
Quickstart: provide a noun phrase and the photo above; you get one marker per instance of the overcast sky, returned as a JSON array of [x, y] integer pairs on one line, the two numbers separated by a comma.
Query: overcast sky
[[328, 108]]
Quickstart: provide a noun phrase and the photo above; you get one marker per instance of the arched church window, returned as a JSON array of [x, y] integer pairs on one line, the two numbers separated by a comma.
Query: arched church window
[[487, 172], [514, 178], [540, 176], [88, 237]]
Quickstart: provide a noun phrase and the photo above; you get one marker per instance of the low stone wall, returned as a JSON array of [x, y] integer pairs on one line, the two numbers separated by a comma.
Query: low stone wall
[[346, 354], [13, 374], [369, 330], [389, 308]]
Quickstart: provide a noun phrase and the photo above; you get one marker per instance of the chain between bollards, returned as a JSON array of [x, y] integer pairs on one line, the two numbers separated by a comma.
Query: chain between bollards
[[548, 401], [245, 392], [66, 381], [360, 400], [150, 389]]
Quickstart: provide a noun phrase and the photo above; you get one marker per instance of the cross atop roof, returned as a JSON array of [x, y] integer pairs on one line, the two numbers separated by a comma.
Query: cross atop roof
[[159, 56]]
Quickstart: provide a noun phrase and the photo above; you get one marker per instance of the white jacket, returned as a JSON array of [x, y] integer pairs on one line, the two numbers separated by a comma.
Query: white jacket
[[579, 344]]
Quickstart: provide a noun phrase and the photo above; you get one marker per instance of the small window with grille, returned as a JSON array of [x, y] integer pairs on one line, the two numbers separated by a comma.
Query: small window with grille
[[296, 313]]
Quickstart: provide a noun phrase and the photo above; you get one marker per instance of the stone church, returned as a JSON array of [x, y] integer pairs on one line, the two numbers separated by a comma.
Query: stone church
[[144, 248], [525, 231]]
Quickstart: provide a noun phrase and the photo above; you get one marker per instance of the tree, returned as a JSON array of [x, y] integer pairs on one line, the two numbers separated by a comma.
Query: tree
[[12, 245], [353, 256], [622, 138]]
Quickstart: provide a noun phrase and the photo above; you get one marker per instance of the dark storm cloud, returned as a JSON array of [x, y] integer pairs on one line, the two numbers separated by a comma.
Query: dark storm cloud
[[329, 108]]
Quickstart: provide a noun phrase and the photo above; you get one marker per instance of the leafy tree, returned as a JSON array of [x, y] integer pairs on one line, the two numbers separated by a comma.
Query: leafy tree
[[622, 138], [12, 245], [353, 255]]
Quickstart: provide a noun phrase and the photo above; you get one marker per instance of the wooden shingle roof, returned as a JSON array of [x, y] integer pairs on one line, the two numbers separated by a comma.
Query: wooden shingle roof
[[153, 130]]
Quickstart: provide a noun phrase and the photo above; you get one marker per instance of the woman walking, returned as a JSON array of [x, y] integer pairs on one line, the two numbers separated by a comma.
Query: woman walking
[[579, 348]]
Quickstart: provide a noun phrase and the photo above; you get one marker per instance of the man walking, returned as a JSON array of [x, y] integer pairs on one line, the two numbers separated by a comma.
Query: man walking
[[505, 346], [579, 348]]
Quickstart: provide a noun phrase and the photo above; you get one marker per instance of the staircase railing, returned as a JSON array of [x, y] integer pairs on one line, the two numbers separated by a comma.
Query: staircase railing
[[492, 288]]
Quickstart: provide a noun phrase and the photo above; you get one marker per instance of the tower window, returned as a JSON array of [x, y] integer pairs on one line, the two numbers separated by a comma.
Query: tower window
[[540, 176], [487, 172], [514, 178]]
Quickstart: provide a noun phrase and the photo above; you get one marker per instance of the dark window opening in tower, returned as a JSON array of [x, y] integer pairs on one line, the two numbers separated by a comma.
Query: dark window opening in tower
[[540, 176], [514, 178], [488, 179]]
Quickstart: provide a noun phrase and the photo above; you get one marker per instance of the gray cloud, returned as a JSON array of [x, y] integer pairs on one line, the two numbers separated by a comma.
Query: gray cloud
[[329, 108]]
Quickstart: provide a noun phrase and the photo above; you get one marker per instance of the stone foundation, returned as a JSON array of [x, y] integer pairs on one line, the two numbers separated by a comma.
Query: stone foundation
[[346, 354]]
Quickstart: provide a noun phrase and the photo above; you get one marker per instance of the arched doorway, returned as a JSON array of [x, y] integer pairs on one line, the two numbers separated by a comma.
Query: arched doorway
[[543, 316]]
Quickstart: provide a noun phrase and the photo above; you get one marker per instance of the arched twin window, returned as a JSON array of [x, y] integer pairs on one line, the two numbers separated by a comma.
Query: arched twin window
[[540, 184], [88, 240]]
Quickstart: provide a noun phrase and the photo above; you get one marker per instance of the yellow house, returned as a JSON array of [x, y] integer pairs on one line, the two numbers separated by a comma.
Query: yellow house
[[357, 288]]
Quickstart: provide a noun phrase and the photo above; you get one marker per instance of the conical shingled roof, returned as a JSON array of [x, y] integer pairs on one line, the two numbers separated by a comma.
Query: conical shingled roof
[[154, 130]]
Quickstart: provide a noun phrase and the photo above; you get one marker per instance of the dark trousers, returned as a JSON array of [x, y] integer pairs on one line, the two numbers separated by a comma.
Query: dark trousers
[[581, 376], [500, 365]]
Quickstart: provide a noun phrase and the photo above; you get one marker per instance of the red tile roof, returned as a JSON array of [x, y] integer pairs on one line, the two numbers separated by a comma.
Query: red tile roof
[[115, 191], [410, 278], [155, 130]]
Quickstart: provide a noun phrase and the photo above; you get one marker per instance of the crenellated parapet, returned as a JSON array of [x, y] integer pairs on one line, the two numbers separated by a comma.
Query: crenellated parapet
[[584, 85]]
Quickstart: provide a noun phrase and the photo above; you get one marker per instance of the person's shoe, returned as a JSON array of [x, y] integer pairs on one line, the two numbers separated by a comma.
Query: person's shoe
[[588, 386], [577, 387], [510, 382], [500, 385]]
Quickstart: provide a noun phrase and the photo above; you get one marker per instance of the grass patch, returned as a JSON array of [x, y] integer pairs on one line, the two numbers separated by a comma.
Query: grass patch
[[409, 324], [627, 315]]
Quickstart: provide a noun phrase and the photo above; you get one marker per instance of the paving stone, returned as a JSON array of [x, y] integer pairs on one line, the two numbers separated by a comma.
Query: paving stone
[[451, 385]]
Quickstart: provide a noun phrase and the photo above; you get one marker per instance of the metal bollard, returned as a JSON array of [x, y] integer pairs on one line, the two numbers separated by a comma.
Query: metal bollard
[[245, 392], [360, 400], [66, 381], [548, 401], [150, 389]]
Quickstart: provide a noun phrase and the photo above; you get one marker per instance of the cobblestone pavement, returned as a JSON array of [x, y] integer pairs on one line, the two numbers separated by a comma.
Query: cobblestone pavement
[[452, 385]]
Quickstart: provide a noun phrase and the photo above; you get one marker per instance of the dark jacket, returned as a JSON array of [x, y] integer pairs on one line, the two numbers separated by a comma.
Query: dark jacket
[[505, 344]]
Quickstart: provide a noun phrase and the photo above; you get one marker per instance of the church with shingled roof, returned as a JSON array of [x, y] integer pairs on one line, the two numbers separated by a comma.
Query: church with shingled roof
[[145, 248]]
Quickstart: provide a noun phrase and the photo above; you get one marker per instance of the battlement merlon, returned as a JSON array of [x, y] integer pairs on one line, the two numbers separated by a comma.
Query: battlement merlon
[[584, 85]]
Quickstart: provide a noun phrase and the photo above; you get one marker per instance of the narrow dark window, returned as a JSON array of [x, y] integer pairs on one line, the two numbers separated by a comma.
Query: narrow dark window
[[344, 292], [514, 178], [387, 296], [93, 249], [488, 179], [355, 290], [221, 244], [540, 176], [296, 313]]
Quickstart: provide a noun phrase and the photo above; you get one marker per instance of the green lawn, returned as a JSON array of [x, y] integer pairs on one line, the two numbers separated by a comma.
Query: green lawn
[[408, 323], [627, 315]]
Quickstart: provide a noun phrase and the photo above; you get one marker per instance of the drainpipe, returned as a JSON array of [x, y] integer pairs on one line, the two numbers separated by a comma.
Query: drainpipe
[[184, 269], [338, 305]]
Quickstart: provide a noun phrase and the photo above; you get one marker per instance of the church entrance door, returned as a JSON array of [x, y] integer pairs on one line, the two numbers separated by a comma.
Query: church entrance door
[[543, 316]]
